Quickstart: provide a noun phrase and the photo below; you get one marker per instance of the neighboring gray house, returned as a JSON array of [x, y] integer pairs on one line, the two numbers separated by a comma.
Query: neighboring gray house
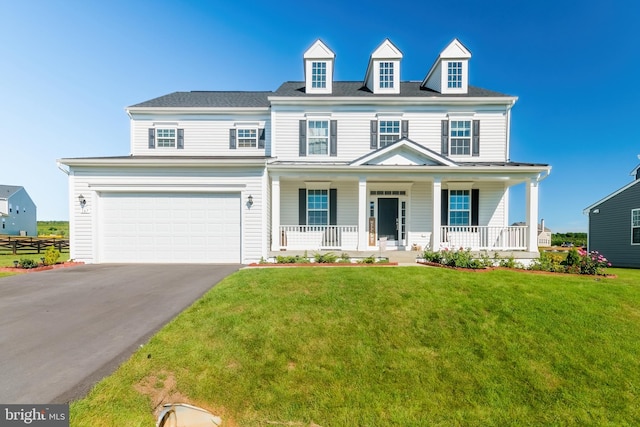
[[614, 225], [17, 212]]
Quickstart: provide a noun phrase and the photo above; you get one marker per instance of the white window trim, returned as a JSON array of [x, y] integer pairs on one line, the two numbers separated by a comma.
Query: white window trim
[[632, 226], [326, 72], [255, 138], [396, 76], [328, 209], [158, 137], [453, 117], [445, 76], [459, 210], [311, 117]]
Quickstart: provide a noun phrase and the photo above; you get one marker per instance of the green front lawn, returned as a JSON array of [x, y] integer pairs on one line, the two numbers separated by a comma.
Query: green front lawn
[[388, 346], [7, 258]]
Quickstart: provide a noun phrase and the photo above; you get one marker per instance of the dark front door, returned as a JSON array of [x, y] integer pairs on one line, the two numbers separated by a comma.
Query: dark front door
[[388, 218]]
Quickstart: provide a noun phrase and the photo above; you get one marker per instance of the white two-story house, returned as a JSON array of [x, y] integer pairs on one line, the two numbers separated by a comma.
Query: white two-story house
[[316, 165]]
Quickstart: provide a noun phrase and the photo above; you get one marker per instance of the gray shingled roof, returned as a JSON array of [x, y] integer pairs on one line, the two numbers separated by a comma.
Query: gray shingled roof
[[209, 99], [237, 99], [8, 190], [408, 89]]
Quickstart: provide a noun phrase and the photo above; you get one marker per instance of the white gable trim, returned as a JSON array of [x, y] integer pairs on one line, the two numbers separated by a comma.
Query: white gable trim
[[385, 152]]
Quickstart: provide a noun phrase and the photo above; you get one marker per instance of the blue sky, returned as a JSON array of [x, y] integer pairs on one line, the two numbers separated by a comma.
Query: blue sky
[[69, 68]]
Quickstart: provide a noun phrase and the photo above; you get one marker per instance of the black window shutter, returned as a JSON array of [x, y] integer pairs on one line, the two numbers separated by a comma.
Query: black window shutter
[[444, 149], [475, 199], [302, 206], [152, 138], [232, 139], [444, 207], [180, 143], [261, 138], [475, 148], [333, 138], [333, 206], [374, 134], [303, 138], [405, 129]]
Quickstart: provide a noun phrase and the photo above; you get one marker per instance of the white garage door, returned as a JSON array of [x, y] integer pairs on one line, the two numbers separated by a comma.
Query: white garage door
[[169, 227]]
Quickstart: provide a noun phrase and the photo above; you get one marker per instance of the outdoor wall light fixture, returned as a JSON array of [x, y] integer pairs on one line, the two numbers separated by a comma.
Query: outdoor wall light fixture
[[250, 200], [82, 200]]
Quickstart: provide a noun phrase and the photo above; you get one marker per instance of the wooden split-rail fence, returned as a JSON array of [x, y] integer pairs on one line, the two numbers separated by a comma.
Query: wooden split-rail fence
[[30, 244]]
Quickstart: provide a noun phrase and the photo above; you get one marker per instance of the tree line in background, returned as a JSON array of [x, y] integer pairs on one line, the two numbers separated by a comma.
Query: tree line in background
[[53, 228], [576, 239]]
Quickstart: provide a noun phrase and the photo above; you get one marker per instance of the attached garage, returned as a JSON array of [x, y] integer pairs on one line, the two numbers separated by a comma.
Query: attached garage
[[169, 227]]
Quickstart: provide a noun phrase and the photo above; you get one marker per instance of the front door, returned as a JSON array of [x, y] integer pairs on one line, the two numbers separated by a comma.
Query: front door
[[388, 219]]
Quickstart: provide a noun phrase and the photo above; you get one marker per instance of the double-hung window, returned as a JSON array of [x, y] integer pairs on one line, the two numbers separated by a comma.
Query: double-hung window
[[247, 138], [459, 207], [166, 137], [319, 75], [460, 137], [389, 132], [386, 75], [318, 137], [454, 75], [317, 207], [635, 226]]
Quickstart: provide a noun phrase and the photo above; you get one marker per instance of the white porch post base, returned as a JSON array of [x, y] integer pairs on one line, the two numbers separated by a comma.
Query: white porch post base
[[436, 202], [362, 214]]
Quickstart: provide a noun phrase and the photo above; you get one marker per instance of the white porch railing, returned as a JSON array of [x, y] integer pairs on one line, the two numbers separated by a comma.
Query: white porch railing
[[298, 237], [484, 237]]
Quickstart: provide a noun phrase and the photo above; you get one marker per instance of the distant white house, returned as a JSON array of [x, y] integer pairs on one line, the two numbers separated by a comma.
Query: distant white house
[[544, 233], [17, 212]]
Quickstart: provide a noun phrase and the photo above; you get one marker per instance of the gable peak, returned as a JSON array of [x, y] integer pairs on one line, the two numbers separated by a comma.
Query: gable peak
[[319, 50], [386, 50], [455, 50]]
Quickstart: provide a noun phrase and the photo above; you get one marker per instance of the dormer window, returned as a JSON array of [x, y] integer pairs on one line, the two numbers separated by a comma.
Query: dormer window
[[386, 75], [318, 69], [319, 75], [450, 73], [383, 71], [454, 74]]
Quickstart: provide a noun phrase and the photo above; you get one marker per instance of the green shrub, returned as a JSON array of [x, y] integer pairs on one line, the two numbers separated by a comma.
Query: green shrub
[[28, 263], [573, 258], [548, 262], [51, 256], [291, 259], [368, 260], [344, 258], [328, 258]]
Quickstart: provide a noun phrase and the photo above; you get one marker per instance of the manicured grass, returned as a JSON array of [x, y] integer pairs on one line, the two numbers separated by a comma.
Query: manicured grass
[[384, 346]]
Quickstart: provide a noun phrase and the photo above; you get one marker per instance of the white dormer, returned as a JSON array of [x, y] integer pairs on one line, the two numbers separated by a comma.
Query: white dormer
[[383, 71], [450, 72], [318, 68]]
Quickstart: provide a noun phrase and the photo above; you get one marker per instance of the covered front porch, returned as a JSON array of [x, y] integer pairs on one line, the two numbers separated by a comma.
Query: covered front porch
[[398, 212]]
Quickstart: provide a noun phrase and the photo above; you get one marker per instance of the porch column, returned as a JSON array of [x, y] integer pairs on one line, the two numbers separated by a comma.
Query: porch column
[[532, 215], [436, 203], [275, 213], [362, 214]]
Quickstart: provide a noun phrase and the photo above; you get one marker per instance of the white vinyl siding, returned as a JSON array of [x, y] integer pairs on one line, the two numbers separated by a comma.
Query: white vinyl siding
[[93, 182], [203, 136], [355, 132]]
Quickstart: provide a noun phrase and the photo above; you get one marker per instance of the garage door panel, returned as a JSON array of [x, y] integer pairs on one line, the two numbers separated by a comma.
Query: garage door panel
[[170, 227]]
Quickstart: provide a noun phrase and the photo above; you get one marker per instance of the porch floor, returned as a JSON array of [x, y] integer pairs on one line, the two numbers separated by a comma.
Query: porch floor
[[406, 257]]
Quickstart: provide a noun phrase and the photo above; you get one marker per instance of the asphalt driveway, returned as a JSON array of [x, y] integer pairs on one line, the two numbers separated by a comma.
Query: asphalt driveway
[[63, 330]]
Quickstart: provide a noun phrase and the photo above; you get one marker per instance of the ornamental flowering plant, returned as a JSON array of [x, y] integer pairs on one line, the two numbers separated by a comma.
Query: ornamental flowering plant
[[583, 262]]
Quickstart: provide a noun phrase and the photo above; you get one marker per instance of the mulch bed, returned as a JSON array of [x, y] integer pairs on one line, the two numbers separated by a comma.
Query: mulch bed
[[521, 270], [41, 268]]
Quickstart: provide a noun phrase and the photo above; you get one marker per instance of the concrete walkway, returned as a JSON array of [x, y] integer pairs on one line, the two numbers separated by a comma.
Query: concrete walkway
[[63, 330]]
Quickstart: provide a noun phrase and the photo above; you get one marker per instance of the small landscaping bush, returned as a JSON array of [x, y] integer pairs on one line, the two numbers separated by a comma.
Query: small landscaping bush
[[328, 258], [28, 263], [51, 256], [548, 262], [291, 259], [582, 262]]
